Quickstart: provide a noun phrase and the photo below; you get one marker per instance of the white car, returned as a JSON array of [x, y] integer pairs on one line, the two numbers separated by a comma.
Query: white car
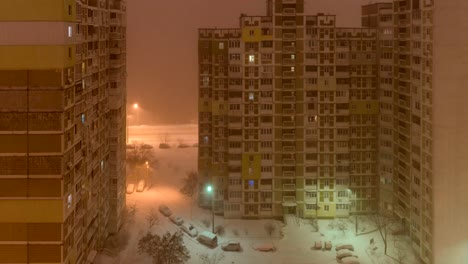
[[231, 246], [165, 210], [265, 247], [189, 229], [141, 186], [350, 260], [176, 220], [130, 188], [343, 253], [344, 246]]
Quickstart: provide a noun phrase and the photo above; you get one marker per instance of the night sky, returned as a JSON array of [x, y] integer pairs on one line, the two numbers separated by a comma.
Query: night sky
[[162, 48]]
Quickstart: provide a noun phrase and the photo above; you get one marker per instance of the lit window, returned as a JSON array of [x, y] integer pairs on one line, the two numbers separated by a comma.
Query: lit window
[[251, 58], [69, 200], [251, 96], [82, 118], [293, 57], [205, 139], [70, 31], [250, 171], [102, 165], [292, 69], [251, 182], [221, 45]]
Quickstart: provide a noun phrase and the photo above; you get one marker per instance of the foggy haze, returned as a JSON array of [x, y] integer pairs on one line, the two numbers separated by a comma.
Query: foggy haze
[[162, 49]]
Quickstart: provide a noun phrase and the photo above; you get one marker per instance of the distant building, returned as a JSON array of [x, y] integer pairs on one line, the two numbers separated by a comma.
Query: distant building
[[62, 128], [298, 116]]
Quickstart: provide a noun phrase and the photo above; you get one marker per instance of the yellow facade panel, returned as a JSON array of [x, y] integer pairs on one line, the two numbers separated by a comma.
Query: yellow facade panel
[[31, 211], [36, 57], [38, 10], [251, 166], [251, 34]]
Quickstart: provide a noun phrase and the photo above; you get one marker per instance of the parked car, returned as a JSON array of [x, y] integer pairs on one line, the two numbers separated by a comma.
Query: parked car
[[130, 188], [318, 245], [265, 247], [176, 220], [328, 245], [165, 210], [343, 253], [207, 238], [344, 246], [189, 229], [146, 146], [350, 260], [231, 246], [141, 186]]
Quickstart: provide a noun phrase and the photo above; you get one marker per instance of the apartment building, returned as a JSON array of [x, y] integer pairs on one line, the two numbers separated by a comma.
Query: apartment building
[[299, 116], [288, 115], [62, 128]]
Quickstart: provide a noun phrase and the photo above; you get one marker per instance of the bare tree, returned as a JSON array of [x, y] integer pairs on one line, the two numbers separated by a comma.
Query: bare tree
[[152, 218], [190, 187], [168, 249], [140, 153], [215, 258], [270, 228], [384, 221]]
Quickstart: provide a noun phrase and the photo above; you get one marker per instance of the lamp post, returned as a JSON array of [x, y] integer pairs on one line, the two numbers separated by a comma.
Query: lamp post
[[147, 167], [350, 194], [210, 189], [136, 107]]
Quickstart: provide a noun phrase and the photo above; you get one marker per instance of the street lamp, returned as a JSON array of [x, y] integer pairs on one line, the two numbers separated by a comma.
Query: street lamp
[[210, 189], [147, 167], [136, 107], [350, 193]]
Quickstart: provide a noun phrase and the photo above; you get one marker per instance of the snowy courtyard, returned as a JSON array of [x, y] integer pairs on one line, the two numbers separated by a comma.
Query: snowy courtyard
[[294, 238]]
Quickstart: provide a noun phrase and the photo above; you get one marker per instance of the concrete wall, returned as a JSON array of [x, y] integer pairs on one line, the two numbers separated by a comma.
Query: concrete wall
[[450, 128]]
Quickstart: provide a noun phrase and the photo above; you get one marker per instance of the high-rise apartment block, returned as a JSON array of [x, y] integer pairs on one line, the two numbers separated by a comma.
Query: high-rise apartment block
[[299, 116], [62, 128]]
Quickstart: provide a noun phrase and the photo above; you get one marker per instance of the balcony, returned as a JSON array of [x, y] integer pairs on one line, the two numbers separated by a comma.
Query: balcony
[[289, 11], [289, 149], [289, 199], [289, 36], [288, 173], [289, 187], [289, 49], [289, 137], [289, 24], [289, 162], [289, 74]]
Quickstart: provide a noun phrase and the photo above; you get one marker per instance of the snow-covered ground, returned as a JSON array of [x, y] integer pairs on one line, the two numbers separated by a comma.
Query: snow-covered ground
[[293, 240]]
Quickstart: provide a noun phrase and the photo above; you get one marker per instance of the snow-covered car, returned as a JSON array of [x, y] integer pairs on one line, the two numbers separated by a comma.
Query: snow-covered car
[[343, 253], [350, 260], [328, 245], [265, 247], [231, 246], [344, 246], [146, 146], [209, 239], [130, 188], [141, 186], [189, 229], [176, 220], [165, 210]]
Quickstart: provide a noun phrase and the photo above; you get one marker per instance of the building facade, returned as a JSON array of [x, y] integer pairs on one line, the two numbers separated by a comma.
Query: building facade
[[299, 116], [62, 128], [289, 115]]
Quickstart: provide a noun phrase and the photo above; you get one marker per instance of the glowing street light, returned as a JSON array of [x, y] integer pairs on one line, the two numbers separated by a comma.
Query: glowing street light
[[137, 109], [210, 189]]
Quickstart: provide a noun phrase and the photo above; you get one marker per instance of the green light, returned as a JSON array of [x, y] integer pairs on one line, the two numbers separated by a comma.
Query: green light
[[209, 188]]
